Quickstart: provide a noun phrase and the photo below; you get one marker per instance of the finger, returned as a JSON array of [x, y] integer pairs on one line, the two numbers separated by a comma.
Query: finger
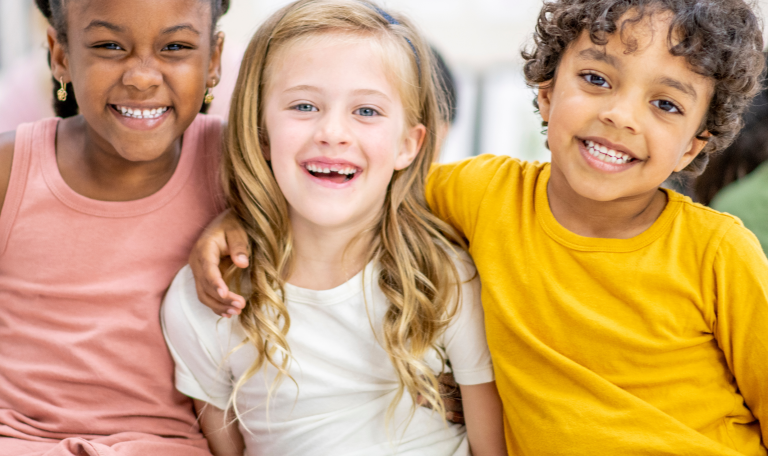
[[213, 303], [446, 378], [237, 244], [453, 405], [455, 417]]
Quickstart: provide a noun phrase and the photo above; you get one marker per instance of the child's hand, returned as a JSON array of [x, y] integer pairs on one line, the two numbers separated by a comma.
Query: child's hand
[[451, 394], [223, 237]]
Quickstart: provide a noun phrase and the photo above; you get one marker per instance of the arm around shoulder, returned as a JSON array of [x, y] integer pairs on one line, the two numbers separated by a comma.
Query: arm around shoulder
[[7, 143]]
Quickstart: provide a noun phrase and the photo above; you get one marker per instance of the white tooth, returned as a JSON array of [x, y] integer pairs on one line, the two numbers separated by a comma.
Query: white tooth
[[124, 111], [152, 112], [145, 113], [326, 170]]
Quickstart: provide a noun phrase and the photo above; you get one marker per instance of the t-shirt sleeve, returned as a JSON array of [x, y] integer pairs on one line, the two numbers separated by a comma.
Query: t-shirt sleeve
[[741, 280], [192, 332], [464, 338], [455, 191]]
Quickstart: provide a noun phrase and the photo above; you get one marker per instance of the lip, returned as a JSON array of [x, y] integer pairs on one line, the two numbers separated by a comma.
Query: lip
[[601, 165], [139, 124], [328, 162]]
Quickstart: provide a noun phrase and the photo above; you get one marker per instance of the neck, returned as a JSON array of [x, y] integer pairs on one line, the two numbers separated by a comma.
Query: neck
[[325, 258], [92, 167], [619, 219]]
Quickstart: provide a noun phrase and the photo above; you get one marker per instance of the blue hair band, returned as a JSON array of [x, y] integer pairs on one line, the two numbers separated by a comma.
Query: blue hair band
[[394, 21]]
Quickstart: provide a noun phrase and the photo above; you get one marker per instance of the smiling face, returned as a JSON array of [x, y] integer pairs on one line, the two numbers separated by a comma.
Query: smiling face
[[620, 122], [337, 130], [139, 69]]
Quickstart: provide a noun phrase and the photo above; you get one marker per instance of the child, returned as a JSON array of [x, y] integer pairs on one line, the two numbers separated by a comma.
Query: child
[[622, 318], [99, 212], [352, 285]]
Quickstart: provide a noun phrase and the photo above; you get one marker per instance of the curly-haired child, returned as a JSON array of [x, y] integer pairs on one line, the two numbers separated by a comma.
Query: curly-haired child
[[622, 318]]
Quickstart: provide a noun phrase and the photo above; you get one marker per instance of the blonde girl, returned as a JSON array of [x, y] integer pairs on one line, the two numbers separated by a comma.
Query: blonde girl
[[356, 296]]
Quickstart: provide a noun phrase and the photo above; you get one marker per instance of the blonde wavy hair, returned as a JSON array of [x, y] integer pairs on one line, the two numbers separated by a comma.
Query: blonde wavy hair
[[412, 246]]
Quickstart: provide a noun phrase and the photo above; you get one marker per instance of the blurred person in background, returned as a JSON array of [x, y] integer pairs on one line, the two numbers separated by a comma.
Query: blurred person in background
[[736, 180]]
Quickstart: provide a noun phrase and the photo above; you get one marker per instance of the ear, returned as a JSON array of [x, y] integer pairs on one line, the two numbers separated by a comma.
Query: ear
[[544, 100], [694, 149], [414, 139], [59, 60], [214, 67]]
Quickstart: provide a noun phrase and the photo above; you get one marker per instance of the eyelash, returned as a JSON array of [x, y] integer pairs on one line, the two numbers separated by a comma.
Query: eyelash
[[586, 76]]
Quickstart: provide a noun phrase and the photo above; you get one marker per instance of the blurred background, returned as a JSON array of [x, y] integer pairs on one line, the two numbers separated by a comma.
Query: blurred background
[[479, 39]]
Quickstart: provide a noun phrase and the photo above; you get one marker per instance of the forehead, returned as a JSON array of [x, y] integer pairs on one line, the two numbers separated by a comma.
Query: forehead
[[642, 49], [139, 15], [357, 59]]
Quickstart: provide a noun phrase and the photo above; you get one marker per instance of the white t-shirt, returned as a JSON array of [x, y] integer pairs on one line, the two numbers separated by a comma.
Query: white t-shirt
[[345, 379]]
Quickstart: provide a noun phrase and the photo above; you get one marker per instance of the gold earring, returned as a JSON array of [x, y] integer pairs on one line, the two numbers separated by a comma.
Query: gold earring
[[208, 95], [61, 94]]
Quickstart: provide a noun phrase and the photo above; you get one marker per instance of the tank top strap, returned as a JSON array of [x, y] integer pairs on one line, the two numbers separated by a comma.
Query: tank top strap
[[29, 137]]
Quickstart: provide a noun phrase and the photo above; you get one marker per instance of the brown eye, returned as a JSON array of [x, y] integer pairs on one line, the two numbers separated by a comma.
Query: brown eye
[[667, 106], [596, 80]]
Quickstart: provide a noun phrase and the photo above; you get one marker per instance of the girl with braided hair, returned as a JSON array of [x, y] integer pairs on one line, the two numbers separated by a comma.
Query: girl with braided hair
[[99, 210]]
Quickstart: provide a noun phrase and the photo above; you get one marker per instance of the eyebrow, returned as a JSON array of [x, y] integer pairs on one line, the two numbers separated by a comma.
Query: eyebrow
[[104, 24], [594, 54], [681, 86], [180, 27], [116, 28], [309, 88]]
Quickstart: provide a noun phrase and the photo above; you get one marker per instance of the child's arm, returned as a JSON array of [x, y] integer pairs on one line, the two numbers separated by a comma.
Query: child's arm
[[223, 237], [483, 414], [741, 319], [220, 429]]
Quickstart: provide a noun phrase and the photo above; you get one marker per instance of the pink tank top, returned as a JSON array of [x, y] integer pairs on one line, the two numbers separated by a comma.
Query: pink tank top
[[81, 281]]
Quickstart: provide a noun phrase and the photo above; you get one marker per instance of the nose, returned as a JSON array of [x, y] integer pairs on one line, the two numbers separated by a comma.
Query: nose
[[143, 75], [622, 111], [333, 129]]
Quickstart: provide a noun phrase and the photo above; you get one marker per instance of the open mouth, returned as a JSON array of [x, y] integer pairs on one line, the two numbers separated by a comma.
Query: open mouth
[[607, 155], [136, 113], [334, 173]]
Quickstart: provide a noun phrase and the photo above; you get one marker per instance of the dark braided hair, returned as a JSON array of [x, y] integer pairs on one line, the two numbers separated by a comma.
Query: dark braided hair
[[54, 12], [720, 39]]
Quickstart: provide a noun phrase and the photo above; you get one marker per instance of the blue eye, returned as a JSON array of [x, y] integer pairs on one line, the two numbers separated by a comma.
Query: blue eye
[[667, 106], [305, 107], [367, 112], [596, 80]]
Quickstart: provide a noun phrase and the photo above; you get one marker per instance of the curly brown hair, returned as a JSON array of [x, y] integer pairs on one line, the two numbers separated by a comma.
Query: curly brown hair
[[720, 39]]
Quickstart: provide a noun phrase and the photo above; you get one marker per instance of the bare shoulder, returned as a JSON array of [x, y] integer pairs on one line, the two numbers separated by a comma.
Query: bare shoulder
[[7, 142]]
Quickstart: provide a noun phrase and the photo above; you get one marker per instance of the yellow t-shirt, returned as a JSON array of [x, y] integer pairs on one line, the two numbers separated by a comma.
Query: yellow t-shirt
[[654, 345]]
